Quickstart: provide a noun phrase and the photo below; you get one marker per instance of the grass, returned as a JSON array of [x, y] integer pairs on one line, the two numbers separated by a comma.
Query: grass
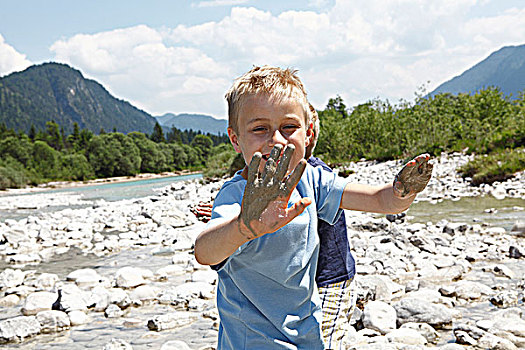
[[490, 168]]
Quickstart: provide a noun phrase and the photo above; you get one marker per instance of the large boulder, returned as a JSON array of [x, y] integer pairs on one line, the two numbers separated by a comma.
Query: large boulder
[[17, 329], [38, 301], [380, 316], [53, 321], [418, 310]]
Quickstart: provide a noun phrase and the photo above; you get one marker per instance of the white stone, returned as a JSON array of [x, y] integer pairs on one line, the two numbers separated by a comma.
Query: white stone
[[52, 321], [207, 276], [119, 297], [175, 345], [11, 278], [172, 320], [9, 300], [19, 328], [379, 316], [170, 270], [117, 344], [130, 277], [38, 301], [406, 336], [45, 281], [113, 311], [84, 277], [144, 293], [72, 298], [77, 317]]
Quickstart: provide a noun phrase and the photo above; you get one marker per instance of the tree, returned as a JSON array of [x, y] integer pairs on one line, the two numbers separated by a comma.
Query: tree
[[53, 135], [113, 154], [75, 167], [19, 149], [203, 144], [157, 135], [174, 135], [32, 132], [153, 159], [45, 159], [337, 105]]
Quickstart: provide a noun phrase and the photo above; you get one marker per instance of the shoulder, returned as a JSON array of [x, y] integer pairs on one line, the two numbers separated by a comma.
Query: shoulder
[[234, 187], [316, 162]]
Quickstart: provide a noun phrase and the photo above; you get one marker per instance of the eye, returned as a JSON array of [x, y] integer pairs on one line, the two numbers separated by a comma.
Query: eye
[[290, 127], [259, 129]]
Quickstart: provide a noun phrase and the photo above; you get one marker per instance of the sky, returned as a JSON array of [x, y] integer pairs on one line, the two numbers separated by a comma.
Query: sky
[[175, 56]]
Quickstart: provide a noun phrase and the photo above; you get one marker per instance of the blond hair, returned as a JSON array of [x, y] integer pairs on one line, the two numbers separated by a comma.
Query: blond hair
[[278, 83]]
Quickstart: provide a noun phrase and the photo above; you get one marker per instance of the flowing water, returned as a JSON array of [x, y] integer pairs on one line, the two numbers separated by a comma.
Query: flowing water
[[110, 192]]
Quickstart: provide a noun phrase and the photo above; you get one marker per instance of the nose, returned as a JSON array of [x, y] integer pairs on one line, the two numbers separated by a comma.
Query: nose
[[277, 138]]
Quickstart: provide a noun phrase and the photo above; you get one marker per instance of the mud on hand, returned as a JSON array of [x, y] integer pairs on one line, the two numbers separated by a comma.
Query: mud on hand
[[414, 176], [265, 201]]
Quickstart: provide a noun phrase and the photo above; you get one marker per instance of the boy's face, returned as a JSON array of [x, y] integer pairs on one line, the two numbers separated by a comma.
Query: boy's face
[[262, 123]]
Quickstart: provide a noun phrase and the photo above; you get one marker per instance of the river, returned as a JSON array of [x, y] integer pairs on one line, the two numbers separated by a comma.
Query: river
[[88, 194]]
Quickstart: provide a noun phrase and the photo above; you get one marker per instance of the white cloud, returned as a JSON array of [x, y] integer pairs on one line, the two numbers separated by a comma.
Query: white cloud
[[358, 49], [507, 28], [215, 3], [135, 64], [10, 59]]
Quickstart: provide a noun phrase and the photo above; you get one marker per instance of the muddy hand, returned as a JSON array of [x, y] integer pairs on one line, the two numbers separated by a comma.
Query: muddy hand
[[265, 202], [414, 176]]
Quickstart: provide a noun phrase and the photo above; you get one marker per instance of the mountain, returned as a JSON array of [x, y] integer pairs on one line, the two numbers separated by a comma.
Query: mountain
[[184, 121], [504, 69], [54, 91]]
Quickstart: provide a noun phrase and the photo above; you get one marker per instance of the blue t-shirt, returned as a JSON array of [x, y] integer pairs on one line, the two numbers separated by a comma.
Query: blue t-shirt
[[336, 263], [266, 293]]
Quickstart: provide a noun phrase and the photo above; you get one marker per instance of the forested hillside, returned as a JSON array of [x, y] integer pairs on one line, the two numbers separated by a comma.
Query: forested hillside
[[503, 69], [53, 91]]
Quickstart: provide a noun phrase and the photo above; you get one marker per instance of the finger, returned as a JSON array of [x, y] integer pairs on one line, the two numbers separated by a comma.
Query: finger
[[284, 163], [269, 168], [253, 168], [399, 187], [297, 208], [294, 178], [421, 161], [268, 172]]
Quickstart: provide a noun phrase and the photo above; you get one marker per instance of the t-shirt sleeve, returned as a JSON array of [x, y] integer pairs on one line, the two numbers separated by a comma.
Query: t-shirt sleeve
[[328, 188]]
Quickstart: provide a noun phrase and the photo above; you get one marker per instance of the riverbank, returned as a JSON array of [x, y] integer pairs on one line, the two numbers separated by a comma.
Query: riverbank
[[72, 184], [77, 278]]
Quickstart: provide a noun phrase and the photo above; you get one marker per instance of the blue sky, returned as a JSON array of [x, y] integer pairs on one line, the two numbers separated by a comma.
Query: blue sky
[[181, 56]]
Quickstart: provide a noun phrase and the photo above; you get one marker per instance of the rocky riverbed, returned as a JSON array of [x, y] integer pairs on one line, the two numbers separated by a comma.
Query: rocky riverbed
[[121, 275]]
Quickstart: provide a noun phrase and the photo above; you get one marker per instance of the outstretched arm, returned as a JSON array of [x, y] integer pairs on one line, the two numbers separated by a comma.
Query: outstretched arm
[[263, 209], [392, 198]]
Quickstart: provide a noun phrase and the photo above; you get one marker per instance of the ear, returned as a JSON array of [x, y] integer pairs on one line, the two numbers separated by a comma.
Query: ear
[[309, 134], [234, 139]]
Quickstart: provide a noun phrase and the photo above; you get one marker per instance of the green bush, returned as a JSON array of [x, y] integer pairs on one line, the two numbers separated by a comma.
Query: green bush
[[219, 162], [481, 123], [113, 154], [75, 167], [45, 160], [494, 167], [12, 174]]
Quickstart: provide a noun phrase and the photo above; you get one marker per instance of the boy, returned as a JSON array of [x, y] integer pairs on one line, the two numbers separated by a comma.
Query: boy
[[335, 266], [263, 229]]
